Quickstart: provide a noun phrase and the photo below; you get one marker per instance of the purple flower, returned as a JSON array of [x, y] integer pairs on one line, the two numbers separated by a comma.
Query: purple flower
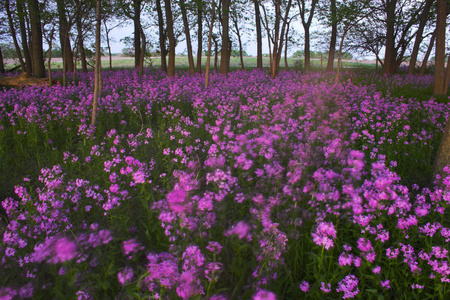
[[125, 276], [64, 250], [177, 200], [385, 284], [241, 229], [264, 295], [324, 235], [131, 246], [349, 285], [304, 286], [326, 288]]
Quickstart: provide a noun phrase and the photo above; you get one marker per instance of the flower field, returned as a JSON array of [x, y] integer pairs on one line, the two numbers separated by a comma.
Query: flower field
[[252, 188]]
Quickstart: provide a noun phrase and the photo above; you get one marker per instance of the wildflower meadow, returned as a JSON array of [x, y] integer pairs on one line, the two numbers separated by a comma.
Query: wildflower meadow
[[252, 188]]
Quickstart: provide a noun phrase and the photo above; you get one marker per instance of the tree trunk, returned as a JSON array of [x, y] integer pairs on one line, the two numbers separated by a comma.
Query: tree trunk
[[80, 39], [170, 34], [188, 37], [137, 32], [98, 65], [108, 45], [279, 38], [259, 60], [439, 63], [13, 34], [336, 80], [64, 29], [23, 33], [36, 39], [332, 48], [50, 43], [307, 50], [199, 37], [286, 67], [2, 66], [225, 54], [423, 67], [237, 31], [208, 57], [162, 36], [144, 48], [419, 36], [216, 54], [390, 52]]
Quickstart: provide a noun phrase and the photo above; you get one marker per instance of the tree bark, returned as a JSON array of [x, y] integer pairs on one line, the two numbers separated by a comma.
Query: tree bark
[[423, 67], [144, 48], [23, 33], [259, 59], [162, 36], [80, 39], [188, 37], [199, 37], [224, 55], [306, 26], [286, 67], [98, 65], [279, 37], [36, 39], [14, 37], [171, 36], [208, 57], [419, 36], [2, 66], [332, 48], [340, 55], [390, 52], [64, 29], [108, 44], [439, 70], [137, 32]]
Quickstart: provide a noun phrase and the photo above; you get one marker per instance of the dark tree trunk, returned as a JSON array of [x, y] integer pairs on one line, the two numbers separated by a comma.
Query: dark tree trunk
[[208, 57], [439, 63], [2, 66], [224, 55], [419, 36], [36, 39], [423, 67], [80, 39], [307, 50], [259, 60], [188, 37], [162, 36], [332, 48], [279, 37], [216, 54], [390, 52], [23, 33], [64, 29], [108, 44], [14, 37], [199, 38], [286, 67], [137, 32], [98, 65], [144, 48], [171, 36], [306, 22]]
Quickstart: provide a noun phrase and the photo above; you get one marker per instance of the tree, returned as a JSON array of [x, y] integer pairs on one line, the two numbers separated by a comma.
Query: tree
[[259, 62], [208, 57], [306, 15], [440, 85], [171, 36], [419, 35], [188, 37], [225, 53], [238, 18], [23, 33], [278, 37], [199, 4], [332, 48], [36, 39], [162, 36], [64, 29], [13, 34], [98, 65]]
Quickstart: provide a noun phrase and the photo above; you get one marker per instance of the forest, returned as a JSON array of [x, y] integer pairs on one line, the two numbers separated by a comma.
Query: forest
[[301, 177]]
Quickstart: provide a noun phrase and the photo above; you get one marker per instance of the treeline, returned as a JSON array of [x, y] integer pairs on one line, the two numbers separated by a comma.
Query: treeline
[[390, 30]]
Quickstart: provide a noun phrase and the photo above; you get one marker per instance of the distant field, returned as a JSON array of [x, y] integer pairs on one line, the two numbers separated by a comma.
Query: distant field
[[182, 63]]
